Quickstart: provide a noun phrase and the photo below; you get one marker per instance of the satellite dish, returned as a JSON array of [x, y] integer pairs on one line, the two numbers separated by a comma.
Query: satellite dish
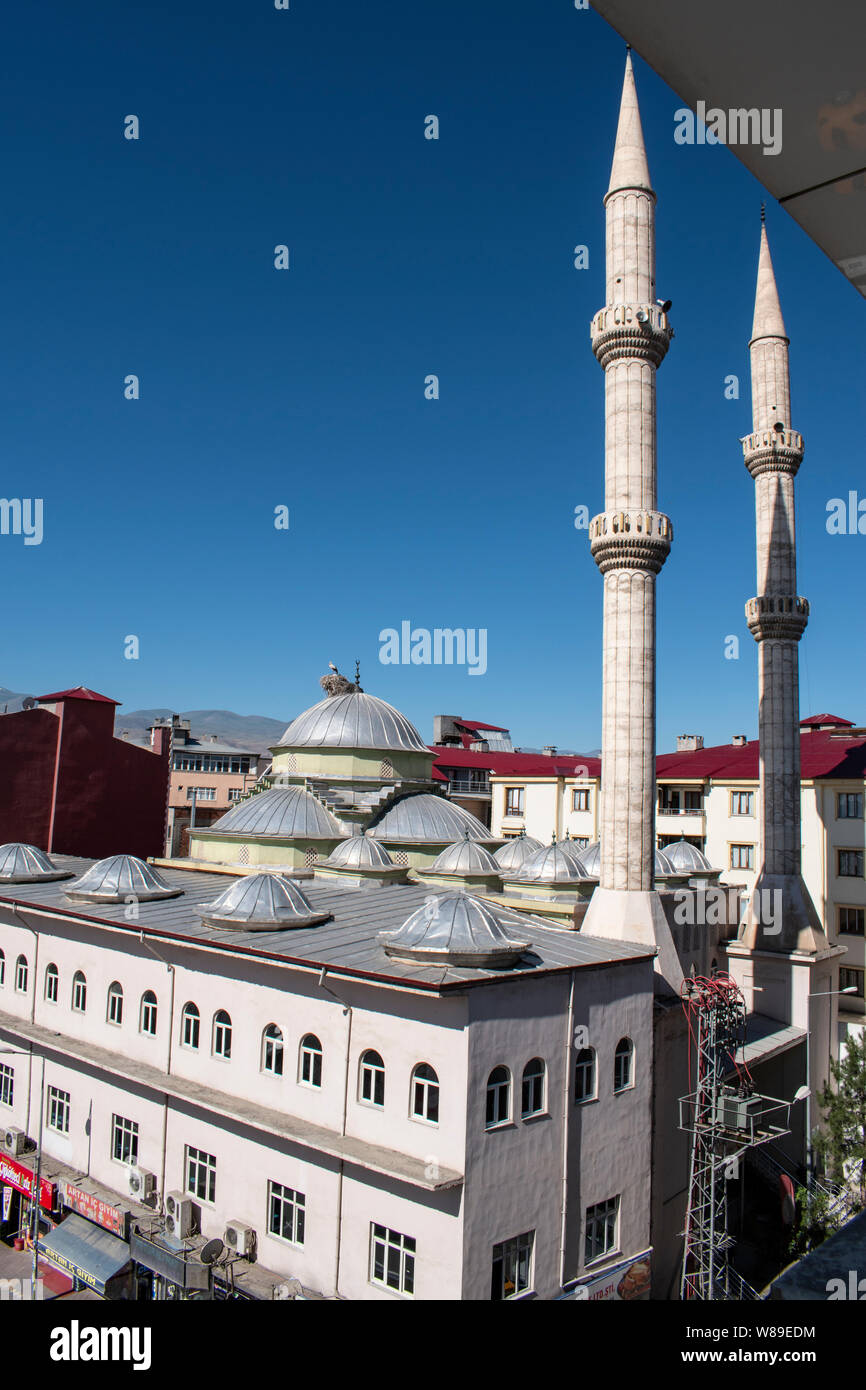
[[211, 1252], [29, 703]]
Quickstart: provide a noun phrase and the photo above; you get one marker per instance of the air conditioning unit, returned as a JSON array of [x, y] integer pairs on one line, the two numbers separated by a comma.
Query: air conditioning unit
[[179, 1217], [292, 1288], [14, 1140], [240, 1238], [142, 1184]]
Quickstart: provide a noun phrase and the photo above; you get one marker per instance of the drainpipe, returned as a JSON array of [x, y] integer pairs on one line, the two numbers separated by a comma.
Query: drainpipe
[[566, 1118], [347, 1012], [50, 845]]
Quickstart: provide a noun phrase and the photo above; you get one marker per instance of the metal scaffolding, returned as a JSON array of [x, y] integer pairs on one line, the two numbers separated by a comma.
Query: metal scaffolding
[[724, 1121]]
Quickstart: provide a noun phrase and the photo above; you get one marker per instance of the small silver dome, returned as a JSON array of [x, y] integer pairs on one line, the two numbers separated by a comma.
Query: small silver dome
[[454, 929], [573, 850], [357, 720], [465, 857], [590, 858], [26, 864], [261, 902], [551, 864], [120, 877], [663, 867], [284, 813], [685, 858], [424, 816], [515, 852], [360, 852]]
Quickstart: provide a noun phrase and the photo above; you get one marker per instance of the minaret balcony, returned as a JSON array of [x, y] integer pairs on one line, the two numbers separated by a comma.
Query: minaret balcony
[[773, 451], [777, 616], [636, 539], [631, 330]]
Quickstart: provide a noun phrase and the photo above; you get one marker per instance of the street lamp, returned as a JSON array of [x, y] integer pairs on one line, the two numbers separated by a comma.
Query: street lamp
[[34, 1216], [822, 994]]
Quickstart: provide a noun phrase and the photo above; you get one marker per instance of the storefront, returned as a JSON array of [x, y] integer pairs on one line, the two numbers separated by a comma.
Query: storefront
[[165, 1275], [17, 1186], [90, 1255]]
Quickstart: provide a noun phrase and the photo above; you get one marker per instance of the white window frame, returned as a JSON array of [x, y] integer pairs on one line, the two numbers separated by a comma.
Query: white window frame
[[273, 1050], [404, 1247], [52, 983], [190, 1026], [589, 1066], [374, 1074], [79, 992], [149, 1013], [199, 1169], [114, 1004], [221, 1038], [22, 974], [285, 1202], [126, 1132], [601, 1233], [617, 1057], [499, 1087], [314, 1056], [58, 1105], [7, 1084], [510, 1252], [426, 1090], [537, 1083]]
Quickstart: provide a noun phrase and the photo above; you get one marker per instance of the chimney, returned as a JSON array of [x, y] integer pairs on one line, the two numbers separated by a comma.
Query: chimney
[[549, 750], [689, 743], [739, 740]]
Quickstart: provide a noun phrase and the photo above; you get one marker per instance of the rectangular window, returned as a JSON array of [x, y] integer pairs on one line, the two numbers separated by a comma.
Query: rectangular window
[[7, 1084], [392, 1259], [669, 801], [694, 801], [741, 803], [850, 863], [512, 1267], [200, 1174], [849, 977], [124, 1139], [286, 1211], [514, 801], [602, 1221], [235, 793], [742, 856], [58, 1110], [849, 806], [201, 793], [851, 921], [580, 799]]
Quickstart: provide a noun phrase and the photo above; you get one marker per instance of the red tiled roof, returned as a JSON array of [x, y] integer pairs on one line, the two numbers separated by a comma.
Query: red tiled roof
[[78, 692], [815, 719], [518, 764], [474, 724]]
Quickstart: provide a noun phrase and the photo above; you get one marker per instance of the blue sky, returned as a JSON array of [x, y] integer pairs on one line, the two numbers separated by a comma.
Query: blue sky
[[305, 388]]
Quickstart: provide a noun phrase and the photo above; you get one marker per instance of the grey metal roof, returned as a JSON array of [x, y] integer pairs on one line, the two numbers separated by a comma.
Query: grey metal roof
[[466, 857], [284, 813], [663, 866], [424, 816], [360, 852], [355, 720], [455, 929], [514, 852], [590, 858], [261, 902], [21, 863], [551, 864], [685, 858], [348, 944], [119, 877]]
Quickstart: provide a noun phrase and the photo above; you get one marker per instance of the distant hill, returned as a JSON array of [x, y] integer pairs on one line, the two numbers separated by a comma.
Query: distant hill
[[11, 701], [255, 731]]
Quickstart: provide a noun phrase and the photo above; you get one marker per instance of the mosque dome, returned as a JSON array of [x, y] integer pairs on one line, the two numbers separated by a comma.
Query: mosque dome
[[590, 858], [663, 866], [27, 864], [261, 902], [465, 857], [425, 816], [573, 850], [360, 852], [515, 852], [685, 858], [551, 864], [354, 720], [284, 813], [454, 929], [120, 877]]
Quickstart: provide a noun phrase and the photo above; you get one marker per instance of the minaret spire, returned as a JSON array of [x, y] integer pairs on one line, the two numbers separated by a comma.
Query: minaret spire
[[629, 542], [768, 321]]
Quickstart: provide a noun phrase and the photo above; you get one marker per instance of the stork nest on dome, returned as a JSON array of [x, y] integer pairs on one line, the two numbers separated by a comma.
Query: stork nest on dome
[[336, 684]]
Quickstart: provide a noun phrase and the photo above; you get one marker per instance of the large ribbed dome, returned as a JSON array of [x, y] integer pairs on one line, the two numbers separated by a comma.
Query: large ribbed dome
[[685, 858], [356, 720], [285, 813], [454, 929], [120, 877], [515, 852], [551, 864], [465, 857], [424, 816], [261, 902], [360, 852], [27, 864]]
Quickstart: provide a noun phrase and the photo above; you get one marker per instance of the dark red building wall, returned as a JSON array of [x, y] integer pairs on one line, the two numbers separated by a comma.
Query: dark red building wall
[[28, 747]]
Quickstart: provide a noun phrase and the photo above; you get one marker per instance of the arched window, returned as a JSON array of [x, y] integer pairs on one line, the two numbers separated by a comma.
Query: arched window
[[584, 1075], [21, 974], [310, 1068], [190, 1024], [425, 1094], [222, 1035], [2, 969], [498, 1097], [115, 1003], [532, 1089], [272, 1050], [79, 992], [52, 983], [372, 1079], [622, 1064], [148, 1013]]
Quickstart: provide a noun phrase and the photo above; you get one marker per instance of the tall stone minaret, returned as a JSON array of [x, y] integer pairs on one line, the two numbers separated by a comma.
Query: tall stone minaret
[[630, 541], [777, 618]]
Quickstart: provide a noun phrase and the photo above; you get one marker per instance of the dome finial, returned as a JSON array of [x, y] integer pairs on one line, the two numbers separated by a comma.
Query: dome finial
[[763, 214], [357, 675]]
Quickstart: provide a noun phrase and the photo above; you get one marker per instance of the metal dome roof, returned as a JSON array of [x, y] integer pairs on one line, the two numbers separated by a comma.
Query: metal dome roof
[[261, 902], [515, 852], [360, 852], [454, 929], [572, 849], [590, 858], [355, 720], [285, 813], [685, 858], [120, 877], [26, 864], [465, 857], [426, 816], [551, 864], [663, 866]]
